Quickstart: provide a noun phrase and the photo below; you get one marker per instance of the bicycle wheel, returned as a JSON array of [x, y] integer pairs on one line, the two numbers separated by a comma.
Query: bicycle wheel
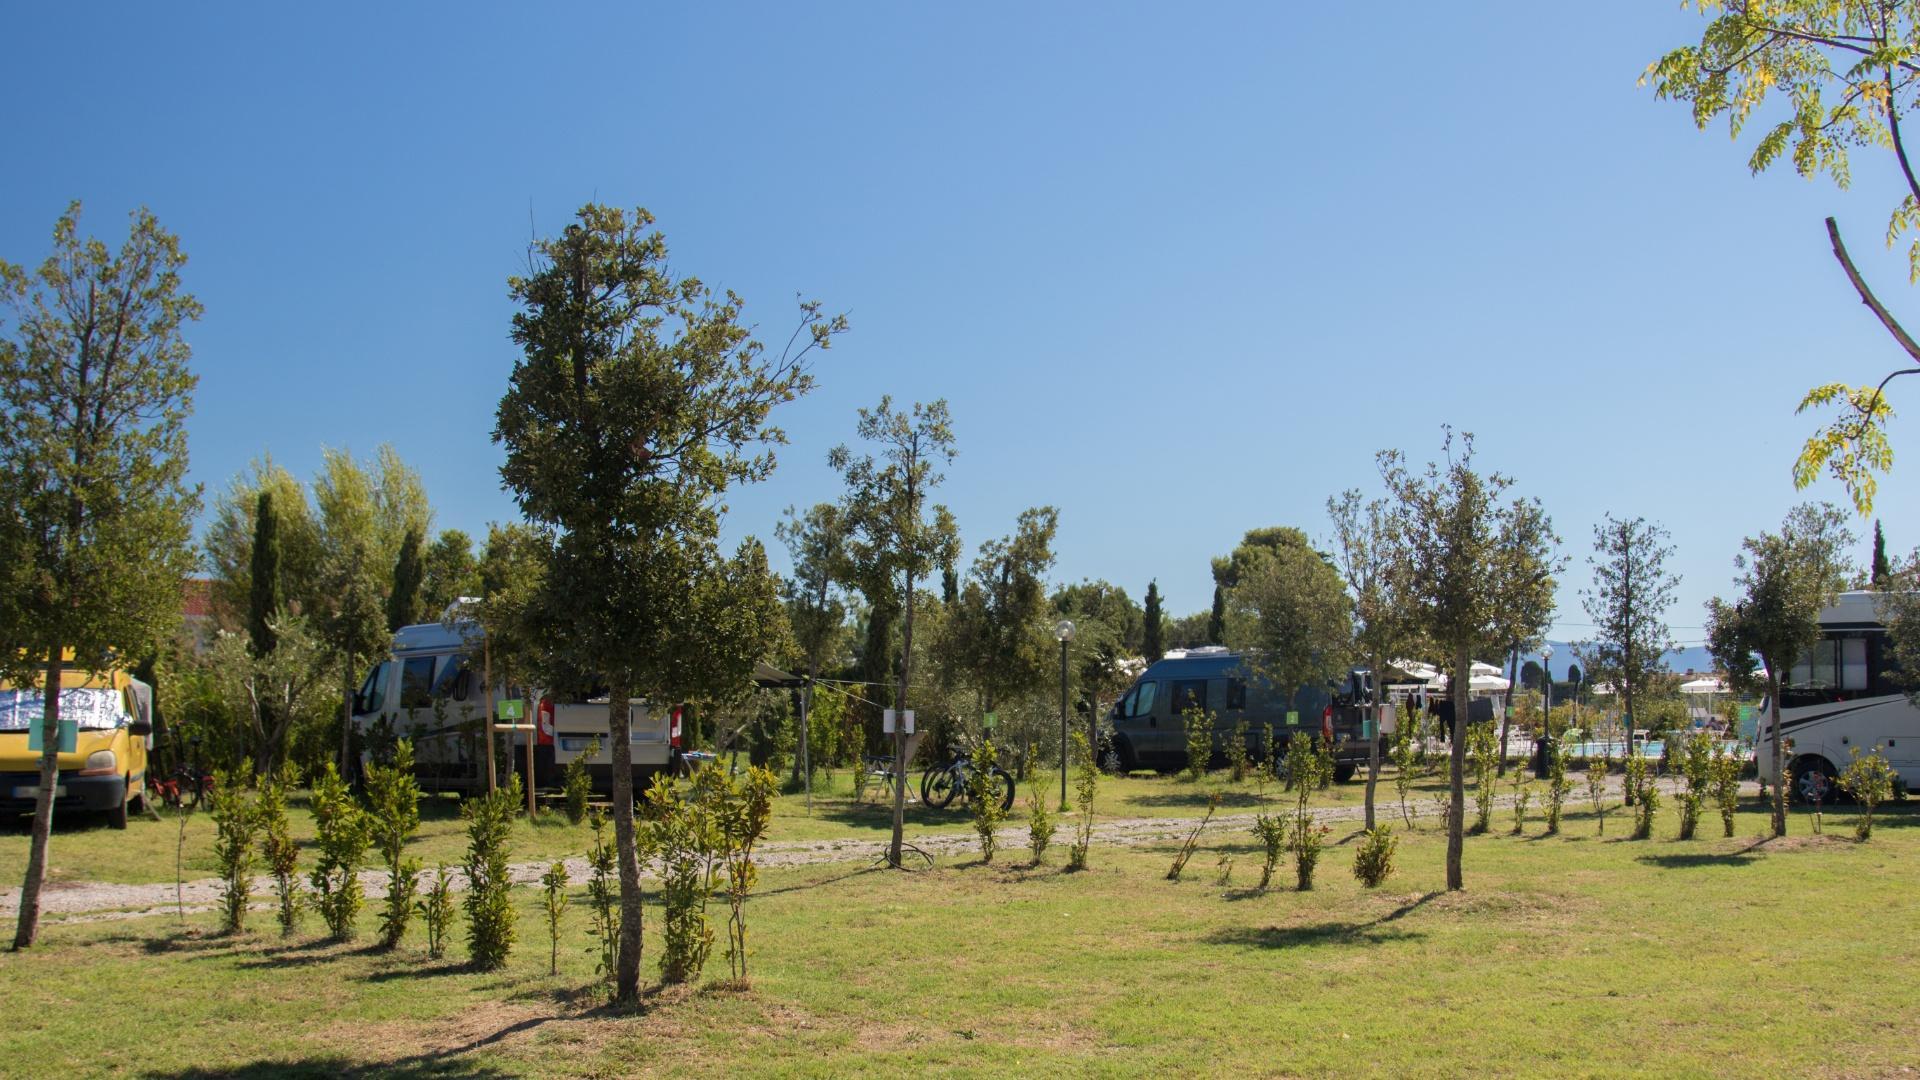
[[1005, 780], [939, 788]]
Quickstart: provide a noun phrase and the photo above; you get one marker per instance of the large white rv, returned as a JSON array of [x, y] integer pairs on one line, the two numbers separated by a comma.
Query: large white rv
[[1840, 698], [432, 692]]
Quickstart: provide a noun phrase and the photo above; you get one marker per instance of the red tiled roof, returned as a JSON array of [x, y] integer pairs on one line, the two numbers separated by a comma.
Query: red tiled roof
[[196, 598]]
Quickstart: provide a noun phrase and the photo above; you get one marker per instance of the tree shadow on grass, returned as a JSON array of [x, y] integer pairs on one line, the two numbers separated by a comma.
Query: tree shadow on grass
[[415, 1068], [806, 885], [1370, 932], [1691, 860], [1228, 799]]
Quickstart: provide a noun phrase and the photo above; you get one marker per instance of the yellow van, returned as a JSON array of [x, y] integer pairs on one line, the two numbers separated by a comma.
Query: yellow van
[[106, 768]]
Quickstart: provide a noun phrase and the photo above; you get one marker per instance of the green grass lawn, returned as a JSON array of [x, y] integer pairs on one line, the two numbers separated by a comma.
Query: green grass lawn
[[1566, 955], [85, 849]]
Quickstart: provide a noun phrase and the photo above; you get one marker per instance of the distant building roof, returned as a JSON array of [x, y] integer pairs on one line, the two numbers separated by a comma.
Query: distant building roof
[[196, 598]]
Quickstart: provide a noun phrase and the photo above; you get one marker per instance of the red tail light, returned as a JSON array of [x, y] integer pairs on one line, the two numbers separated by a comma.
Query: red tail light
[[545, 714], [675, 738], [1326, 725]]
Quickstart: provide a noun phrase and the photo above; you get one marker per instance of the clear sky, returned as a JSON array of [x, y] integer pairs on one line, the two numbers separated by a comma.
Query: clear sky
[[1180, 270]]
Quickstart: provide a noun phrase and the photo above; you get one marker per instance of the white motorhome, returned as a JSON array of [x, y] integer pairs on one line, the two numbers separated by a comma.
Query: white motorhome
[[431, 691], [1840, 698]]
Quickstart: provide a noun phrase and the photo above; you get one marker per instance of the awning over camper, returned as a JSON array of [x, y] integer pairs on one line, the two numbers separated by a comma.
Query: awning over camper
[[768, 677]]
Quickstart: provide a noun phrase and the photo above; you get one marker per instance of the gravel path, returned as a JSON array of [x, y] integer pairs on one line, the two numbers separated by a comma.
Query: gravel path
[[83, 901]]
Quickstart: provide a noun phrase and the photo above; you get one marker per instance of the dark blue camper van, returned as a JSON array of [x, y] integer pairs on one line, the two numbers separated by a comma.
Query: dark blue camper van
[[1148, 729]]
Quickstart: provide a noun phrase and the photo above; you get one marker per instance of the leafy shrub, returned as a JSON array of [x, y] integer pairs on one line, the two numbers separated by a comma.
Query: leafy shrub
[[1223, 871], [1597, 790], [1696, 767], [1373, 859], [1558, 786], [393, 802], [1086, 785], [1199, 723], [436, 911], [683, 836], [1271, 831], [1483, 752], [1405, 760], [1040, 826], [554, 898], [490, 922], [1869, 779], [1723, 778], [1237, 755], [576, 783], [1646, 796], [340, 832], [603, 896], [236, 818], [1522, 799], [278, 849], [742, 811], [1193, 840], [1310, 763], [983, 797]]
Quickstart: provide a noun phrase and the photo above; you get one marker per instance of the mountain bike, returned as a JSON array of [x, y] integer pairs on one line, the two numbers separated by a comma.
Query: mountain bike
[[941, 784]]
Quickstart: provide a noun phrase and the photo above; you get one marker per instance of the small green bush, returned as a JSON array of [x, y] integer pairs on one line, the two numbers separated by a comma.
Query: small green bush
[[683, 836], [554, 898], [983, 797], [742, 811], [1723, 776], [340, 832], [1040, 826], [1310, 763], [1237, 756], [1199, 724], [278, 849], [1522, 799], [1193, 840], [490, 919], [1483, 755], [436, 911], [1558, 787], [1271, 831], [236, 818], [576, 783], [1405, 760], [393, 802], [1646, 795], [1597, 790], [1869, 779], [1373, 858], [1696, 767], [603, 896], [1086, 785]]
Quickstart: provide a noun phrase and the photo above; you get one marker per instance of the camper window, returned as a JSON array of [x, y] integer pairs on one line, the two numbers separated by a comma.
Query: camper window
[[1236, 693], [1140, 701], [373, 691], [1189, 694], [416, 683]]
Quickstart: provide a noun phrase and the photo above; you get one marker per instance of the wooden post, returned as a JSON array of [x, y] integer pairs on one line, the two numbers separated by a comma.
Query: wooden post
[[486, 674], [532, 721]]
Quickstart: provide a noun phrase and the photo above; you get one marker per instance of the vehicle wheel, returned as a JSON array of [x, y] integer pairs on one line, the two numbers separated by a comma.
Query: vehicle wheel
[[1343, 772], [117, 817], [1119, 758], [1810, 773], [938, 788], [1006, 787], [138, 805]]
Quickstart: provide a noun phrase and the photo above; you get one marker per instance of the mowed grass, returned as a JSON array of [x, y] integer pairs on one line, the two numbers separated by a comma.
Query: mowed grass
[[1568, 955], [83, 848]]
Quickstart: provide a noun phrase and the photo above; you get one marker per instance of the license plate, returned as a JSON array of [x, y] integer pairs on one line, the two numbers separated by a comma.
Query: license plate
[[32, 791]]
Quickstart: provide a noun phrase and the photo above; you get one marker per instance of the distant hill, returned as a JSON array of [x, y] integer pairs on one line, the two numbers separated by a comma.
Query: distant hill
[[1693, 658]]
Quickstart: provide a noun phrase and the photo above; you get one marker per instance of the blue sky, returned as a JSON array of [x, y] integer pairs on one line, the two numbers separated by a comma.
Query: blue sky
[[1179, 271]]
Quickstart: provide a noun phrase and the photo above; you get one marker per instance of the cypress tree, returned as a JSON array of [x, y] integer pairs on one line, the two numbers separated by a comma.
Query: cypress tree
[[1152, 645], [1217, 620], [1881, 571], [408, 571], [264, 601]]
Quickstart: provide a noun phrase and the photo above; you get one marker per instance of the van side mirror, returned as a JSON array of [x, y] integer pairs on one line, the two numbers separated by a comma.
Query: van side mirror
[[140, 726]]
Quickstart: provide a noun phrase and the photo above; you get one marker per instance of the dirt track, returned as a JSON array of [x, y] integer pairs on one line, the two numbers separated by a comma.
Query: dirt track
[[79, 901]]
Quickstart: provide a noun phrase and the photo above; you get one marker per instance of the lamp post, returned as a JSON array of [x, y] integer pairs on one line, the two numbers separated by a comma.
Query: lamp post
[[1546, 707], [1063, 631]]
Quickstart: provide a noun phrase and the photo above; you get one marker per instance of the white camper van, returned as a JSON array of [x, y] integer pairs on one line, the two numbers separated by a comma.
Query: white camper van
[[1839, 698], [432, 691]]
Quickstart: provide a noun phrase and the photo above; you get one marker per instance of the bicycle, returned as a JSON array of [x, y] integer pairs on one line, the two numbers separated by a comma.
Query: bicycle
[[941, 784], [185, 786]]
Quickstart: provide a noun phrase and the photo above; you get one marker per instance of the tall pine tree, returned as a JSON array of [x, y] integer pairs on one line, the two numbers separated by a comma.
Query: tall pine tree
[[1152, 646], [1881, 571], [408, 570]]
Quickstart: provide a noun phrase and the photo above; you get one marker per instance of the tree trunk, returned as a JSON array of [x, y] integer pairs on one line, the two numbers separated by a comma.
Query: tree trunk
[[620, 735], [1457, 764], [1626, 723], [1373, 744], [1506, 710], [29, 925], [900, 736], [346, 717], [1779, 752]]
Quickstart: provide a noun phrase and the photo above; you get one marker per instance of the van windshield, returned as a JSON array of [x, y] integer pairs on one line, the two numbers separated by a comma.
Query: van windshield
[[1140, 702], [95, 708]]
